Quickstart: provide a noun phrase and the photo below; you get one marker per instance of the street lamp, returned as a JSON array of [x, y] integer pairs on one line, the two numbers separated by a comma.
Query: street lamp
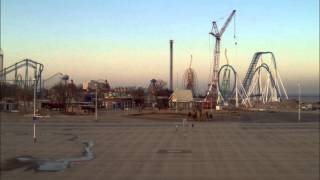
[[96, 107], [299, 110], [211, 103], [34, 118]]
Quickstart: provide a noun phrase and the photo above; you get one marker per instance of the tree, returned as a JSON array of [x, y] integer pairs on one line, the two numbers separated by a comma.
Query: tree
[[137, 92], [24, 94], [156, 86], [160, 85]]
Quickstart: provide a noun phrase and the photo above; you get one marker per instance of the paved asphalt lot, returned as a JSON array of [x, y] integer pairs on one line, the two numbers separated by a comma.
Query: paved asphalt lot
[[249, 146]]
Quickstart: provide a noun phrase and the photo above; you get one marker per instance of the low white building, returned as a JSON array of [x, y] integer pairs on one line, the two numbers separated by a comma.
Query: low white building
[[93, 84], [181, 99]]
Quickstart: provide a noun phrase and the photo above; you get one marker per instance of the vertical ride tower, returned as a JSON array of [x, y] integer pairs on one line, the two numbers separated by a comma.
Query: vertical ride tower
[[171, 64]]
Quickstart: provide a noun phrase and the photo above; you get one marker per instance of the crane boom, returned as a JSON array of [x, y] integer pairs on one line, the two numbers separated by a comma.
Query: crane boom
[[227, 22]]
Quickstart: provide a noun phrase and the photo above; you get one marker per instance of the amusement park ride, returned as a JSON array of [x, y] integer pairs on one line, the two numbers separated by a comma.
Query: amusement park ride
[[190, 79], [261, 84], [26, 73]]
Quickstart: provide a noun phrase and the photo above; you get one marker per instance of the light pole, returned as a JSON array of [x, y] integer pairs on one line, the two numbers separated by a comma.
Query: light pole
[[299, 110], [96, 103], [96, 108], [34, 119], [211, 106], [237, 103], [177, 106]]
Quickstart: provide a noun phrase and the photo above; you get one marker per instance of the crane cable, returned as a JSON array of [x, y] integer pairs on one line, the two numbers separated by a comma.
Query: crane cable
[[210, 59], [235, 37], [234, 30]]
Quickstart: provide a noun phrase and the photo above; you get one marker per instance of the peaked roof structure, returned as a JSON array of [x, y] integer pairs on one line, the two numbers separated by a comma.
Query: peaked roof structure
[[181, 95]]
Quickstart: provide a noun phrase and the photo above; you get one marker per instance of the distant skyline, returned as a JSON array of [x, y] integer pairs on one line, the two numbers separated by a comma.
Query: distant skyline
[[127, 42]]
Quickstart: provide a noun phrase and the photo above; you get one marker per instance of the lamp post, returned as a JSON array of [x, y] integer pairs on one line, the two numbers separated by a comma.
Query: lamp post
[[177, 106], [211, 101], [34, 118], [237, 103], [299, 110], [96, 107]]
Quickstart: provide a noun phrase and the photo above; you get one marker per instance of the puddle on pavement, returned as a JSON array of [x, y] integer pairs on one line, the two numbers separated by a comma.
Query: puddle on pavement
[[32, 163]]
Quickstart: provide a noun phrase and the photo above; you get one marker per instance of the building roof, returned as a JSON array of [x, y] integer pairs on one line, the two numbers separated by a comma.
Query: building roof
[[181, 95]]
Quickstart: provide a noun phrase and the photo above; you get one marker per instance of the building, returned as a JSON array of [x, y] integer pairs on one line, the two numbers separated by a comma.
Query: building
[[91, 85], [119, 98], [8, 105], [181, 99]]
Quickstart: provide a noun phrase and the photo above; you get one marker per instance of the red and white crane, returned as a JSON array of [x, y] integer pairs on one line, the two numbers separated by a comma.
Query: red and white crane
[[212, 93]]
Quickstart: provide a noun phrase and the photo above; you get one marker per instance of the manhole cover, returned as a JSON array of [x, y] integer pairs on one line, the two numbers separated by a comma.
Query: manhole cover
[[164, 151]]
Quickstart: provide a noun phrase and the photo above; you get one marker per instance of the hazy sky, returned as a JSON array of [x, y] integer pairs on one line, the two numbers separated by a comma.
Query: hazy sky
[[127, 42]]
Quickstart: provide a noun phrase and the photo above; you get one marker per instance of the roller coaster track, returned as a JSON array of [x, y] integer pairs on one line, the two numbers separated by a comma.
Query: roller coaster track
[[257, 86], [26, 63], [252, 67], [274, 76], [49, 82]]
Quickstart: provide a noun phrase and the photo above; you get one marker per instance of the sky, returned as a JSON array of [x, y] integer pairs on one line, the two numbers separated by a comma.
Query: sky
[[127, 42]]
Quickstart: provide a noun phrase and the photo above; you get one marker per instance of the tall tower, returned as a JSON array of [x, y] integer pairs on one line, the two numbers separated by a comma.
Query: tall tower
[[171, 64], [1, 59]]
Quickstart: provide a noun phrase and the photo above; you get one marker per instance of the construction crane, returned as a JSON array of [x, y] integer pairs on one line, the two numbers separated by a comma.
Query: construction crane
[[212, 93]]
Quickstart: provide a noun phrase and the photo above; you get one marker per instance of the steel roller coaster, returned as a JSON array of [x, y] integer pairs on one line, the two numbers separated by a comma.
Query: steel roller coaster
[[262, 82], [20, 73]]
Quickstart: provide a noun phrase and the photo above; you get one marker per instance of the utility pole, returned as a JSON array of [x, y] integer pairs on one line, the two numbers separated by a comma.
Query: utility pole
[[34, 119], [177, 81], [237, 103], [177, 106], [299, 110], [171, 66], [96, 108], [211, 104]]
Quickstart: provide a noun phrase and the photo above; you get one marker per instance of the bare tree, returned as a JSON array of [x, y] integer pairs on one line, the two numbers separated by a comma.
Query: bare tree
[[26, 95], [58, 94], [156, 85], [17, 93], [160, 84]]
